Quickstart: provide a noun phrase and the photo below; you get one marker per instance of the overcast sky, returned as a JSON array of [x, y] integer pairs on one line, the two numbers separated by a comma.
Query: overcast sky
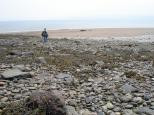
[[75, 9]]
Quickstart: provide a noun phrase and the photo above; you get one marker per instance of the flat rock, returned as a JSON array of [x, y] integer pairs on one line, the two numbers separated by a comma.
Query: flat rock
[[87, 112], [71, 110], [128, 112], [127, 88], [14, 73]]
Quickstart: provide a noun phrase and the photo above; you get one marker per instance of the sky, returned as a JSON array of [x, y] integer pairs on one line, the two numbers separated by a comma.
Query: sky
[[75, 9]]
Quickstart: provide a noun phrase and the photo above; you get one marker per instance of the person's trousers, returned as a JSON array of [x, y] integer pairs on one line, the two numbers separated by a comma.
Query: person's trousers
[[45, 39]]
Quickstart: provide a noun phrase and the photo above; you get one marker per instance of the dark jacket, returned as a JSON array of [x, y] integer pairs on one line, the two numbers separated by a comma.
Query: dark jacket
[[44, 34]]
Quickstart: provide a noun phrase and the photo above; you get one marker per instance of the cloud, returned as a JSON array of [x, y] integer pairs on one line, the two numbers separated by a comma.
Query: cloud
[[74, 9]]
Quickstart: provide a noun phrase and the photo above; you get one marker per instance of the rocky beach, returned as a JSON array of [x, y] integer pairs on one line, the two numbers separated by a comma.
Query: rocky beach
[[97, 75]]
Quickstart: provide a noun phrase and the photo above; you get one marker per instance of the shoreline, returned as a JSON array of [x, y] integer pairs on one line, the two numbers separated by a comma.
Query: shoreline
[[108, 34], [61, 29]]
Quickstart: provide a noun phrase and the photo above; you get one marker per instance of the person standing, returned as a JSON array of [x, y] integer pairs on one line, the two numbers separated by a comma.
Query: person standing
[[45, 35]]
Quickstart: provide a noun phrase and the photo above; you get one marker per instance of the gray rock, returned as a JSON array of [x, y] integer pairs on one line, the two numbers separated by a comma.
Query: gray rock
[[100, 113], [41, 60], [117, 109], [72, 102], [87, 112], [138, 100], [4, 99], [15, 73], [15, 91], [89, 99], [71, 110], [18, 96], [65, 78], [145, 110], [152, 107], [146, 97], [129, 106], [128, 112], [20, 67], [109, 105], [126, 98], [126, 88], [152, 104]]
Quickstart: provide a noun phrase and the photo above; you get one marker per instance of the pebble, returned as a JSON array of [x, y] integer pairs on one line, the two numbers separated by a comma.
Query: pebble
[[4, 99], [87, 112], [129, 106], [126, 98], [32, 88], [109, 105], [138, 100], [15, 91]]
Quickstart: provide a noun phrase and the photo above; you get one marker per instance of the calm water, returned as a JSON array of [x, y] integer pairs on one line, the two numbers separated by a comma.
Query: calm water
[[21, 26]]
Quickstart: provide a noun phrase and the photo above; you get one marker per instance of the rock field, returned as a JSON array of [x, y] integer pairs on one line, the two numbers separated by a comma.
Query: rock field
[[95, 77]]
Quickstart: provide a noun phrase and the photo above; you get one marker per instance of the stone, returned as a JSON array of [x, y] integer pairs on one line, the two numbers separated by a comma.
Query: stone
[[129, 106], [145, 110], [138, 100], [146, 97], [100, 113], [4, 99], [87, 112], [126, 88], [15, 91], [117, 113], [71, 110], [20, 67], [41, 60], [152, 103], [128, 112], [90, 80], [104, 108], [72, 102], [152, 107], [88, 99], [67, 79], [109, 105], [18, 96], [112, 113], [32, 88], [1, 111], [126, 98], [15, 73], [117, 109]]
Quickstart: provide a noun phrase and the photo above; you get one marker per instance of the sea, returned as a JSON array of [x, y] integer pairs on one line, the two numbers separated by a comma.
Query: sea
[[39, 25]]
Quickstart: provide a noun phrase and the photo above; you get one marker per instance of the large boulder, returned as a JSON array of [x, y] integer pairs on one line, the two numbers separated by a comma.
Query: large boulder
[[15, 73]]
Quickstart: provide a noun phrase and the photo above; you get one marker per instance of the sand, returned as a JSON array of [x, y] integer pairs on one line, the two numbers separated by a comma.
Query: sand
[[102, 32]]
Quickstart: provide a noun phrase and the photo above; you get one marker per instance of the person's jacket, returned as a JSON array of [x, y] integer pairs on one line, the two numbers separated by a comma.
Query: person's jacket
[[44, 34]]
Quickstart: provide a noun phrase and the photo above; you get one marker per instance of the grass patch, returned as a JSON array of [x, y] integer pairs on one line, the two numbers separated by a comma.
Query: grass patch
[[39, 103], [134, 75]]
